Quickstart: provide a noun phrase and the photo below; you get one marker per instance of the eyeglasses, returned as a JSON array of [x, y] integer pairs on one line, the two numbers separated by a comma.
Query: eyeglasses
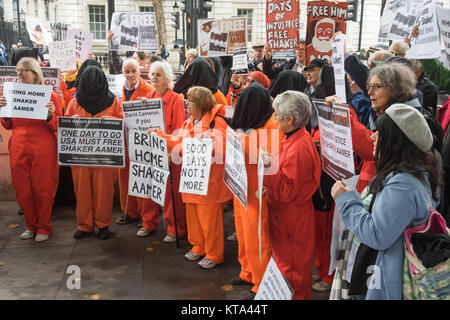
[[22, 70], [374, 87]]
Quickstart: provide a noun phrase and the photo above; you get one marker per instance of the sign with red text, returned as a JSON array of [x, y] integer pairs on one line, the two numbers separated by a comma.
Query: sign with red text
[[325, 18], [283, 24], [51, 76]]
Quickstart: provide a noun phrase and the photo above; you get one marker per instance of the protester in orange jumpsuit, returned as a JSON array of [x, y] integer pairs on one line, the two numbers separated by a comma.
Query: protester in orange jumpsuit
[[33, 157], [135, 88], [239, 83], [289, 194], [161, 77], [200, 73], [204, 212], [254, 111], [94, 186]]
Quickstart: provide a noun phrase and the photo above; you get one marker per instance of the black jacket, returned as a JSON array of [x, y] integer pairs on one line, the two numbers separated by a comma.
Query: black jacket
[[430, 93], [272, 72]]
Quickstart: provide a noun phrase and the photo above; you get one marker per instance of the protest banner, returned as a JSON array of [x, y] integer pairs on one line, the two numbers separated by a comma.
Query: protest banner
[[273, 285], [116, 83], [325, 18], [240, 61], [197, 158], [134, 31], [336, 146], [91, 142], [398, 18], [149, 166], [427, 45], [51, 76], [235, 175], [25, 100], [83, 42], [444, 26], [144, 115], [282, 24], [337, 47], [220, 37], [39, 30], [62, 55]]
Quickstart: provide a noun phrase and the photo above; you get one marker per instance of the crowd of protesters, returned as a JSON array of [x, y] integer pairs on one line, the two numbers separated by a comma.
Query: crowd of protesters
[[398, 135]]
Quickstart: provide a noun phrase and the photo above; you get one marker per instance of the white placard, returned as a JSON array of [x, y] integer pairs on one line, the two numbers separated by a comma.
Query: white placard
[[144, 115], [39, 30], [337, 58], [235, 176], [444, 27], [240, 61], [62, 55], [25, 101], [427, 45], [149, 166], [83, 42], [273, 285], [116, 83], [91, 142], [197, 158], [261, 170]]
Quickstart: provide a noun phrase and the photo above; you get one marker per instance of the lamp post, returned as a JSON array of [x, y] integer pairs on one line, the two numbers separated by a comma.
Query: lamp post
[[177, 15]]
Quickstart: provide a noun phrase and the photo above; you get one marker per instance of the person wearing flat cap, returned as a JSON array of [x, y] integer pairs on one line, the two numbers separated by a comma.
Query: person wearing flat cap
[[406, 183], [258, 56]]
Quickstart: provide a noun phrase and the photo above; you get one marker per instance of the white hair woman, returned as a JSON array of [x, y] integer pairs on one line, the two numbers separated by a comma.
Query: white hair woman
[[161, 78], [33, 157], [134, 88], [290, 191]]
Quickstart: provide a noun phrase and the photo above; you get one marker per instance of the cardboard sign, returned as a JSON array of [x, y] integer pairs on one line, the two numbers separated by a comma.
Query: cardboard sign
[[427, 45], [25, 101], [144, 115], [51, 76], [337, 47], [134, 31], [220, 37], [149, 166], [325, 18], [444, 26], [282, 24], [39, 31], [336, 146], [197, 158], [116, 83], [273, 285], [83, 42], [91, 142], [62, 55], [235, 176]]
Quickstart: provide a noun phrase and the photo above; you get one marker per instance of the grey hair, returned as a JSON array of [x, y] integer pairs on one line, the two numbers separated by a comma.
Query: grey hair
[[295, 104], [166, 69], [130, 61], [402, 48]]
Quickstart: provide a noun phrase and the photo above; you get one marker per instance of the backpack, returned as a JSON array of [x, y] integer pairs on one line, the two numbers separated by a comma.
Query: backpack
[[419, 282]]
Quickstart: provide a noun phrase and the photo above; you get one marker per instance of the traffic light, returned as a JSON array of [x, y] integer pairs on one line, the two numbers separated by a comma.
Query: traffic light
[[187, 6], [204, 6], [352, 10], [176, 20]]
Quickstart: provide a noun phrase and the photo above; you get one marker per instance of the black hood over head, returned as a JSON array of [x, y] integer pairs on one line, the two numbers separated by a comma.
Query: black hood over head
[[199, 73]]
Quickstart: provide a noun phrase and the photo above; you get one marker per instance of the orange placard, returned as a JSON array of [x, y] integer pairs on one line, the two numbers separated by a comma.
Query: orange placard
[[283, 24], [325, 18]]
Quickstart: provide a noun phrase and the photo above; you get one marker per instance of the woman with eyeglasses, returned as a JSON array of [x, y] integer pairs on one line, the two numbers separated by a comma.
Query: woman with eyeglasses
[[33, 157], [161, 77], [204, 212], [135, 88]]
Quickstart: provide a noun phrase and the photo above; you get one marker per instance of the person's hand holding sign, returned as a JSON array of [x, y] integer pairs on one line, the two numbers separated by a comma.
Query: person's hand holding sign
[[339, 188], [267, 52], [51, 110], [331, 99], [2, 101]]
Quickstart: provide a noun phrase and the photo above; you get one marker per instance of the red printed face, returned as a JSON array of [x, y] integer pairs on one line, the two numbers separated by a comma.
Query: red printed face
[[324, 31]]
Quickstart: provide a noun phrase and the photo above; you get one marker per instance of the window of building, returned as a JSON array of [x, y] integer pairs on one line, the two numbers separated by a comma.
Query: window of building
[[97, 22], [249, 14], [146, 9], [36, 9], [15, 11]]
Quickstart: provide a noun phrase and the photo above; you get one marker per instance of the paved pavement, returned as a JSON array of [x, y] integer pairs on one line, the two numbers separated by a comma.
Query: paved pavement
[[122, 267]]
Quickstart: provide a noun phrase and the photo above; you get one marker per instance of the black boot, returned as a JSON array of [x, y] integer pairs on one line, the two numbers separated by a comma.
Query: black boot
[[20, 212], [103, 233], [79, 234]]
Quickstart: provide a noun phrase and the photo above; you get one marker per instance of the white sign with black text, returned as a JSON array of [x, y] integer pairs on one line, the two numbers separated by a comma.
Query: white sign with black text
[[235, 176], [83, 42], [273, 285], [63, 55]]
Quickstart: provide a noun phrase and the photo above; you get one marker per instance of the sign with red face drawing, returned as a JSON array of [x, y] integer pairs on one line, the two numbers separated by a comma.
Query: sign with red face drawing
[[325, 18], [283, 24]]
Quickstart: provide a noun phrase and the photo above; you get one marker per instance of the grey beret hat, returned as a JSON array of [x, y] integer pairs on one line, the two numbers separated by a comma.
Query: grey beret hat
[[413, 125]]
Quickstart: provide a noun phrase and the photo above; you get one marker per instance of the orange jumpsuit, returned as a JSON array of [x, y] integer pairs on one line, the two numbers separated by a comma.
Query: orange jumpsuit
[[131, 204], [220, 98], [289, 196], [204, 213], [94, 187], [33, 159], [247, 221], [174, 118]]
